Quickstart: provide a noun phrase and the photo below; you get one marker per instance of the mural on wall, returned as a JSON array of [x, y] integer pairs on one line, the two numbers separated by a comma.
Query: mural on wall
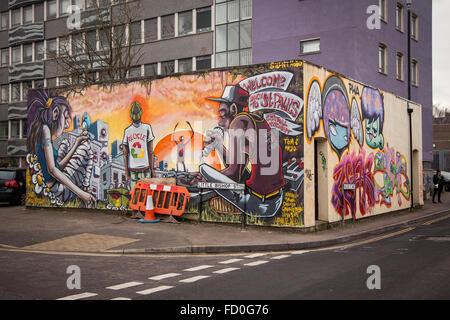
[[380, 175], [242, 125]]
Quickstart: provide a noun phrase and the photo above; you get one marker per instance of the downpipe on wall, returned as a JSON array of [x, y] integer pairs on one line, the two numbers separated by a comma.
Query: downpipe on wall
[[410, 111]]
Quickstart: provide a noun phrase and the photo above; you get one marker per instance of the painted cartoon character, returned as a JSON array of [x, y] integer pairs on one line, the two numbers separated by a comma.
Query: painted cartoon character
[[336, 114], [373, 115], [138, 147], [265, 182], [181, 146], [64, 172]]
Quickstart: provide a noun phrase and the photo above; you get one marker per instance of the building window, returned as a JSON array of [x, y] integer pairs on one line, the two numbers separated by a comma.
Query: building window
[[15, 129], [135, 72], [135, 33], [51, 48], [5, 93], [39, 84], [39, 12], [167, 26], [203, 19], [27, 15], [91, 40], [51, 82], [233, 33], [151, 29], [51, 9], [151, 69], [104, 39], [399, 66], [399, 17], [77, 44], [39, 51], [64, 7], [185, 65], [310, 46], [78, 3], [167, 67], [15, 92], [24, 129], [382, 59], [414, 73], [5, 57], [15, 17], [90, 4], [203, 63], [64, 46], [414, 27], [26, 86], [383, 10], [3, 129], [185, 23], [4, 16], [16, 55], [27, 52]]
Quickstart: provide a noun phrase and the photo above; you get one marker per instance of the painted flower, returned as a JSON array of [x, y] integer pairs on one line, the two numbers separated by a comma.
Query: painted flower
[[38, 181], [31, 160]]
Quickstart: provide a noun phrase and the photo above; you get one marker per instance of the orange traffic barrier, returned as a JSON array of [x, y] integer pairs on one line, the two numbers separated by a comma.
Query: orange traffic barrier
[[166, 199]]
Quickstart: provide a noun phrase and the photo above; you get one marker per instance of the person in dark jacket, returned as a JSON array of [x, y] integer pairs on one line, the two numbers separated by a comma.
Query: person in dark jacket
[[438, 182]]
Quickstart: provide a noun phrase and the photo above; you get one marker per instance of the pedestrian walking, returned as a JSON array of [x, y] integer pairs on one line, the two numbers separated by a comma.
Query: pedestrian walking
[[438, 182]]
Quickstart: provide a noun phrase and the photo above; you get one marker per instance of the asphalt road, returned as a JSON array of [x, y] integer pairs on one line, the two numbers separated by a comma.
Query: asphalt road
[[413, 264]]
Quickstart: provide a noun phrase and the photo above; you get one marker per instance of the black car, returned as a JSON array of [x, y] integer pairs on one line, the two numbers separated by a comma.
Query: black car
[[12, 185]]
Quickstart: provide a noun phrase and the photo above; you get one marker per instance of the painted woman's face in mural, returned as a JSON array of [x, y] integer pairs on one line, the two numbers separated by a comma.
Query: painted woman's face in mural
[[374, 137], [63, 121]]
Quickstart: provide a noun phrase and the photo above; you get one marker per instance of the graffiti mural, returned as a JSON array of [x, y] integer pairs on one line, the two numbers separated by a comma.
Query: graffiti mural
[[357, 169], [379, 173], [242, 125]]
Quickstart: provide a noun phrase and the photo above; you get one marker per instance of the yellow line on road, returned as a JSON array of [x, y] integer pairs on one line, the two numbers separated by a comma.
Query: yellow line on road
[[390, 235], [435, 220]]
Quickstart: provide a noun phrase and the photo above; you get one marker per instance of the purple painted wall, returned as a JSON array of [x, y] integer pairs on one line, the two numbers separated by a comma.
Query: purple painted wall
[[347, 45]]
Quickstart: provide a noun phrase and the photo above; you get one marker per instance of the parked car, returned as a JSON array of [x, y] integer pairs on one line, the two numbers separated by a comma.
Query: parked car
[[446, 176], [12, 185]]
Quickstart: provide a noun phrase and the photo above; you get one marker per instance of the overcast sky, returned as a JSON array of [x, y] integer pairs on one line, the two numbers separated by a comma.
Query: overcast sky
[[441, 52]]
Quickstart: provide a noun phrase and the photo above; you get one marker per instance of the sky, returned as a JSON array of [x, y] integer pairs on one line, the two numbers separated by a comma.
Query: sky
[[441, 52]]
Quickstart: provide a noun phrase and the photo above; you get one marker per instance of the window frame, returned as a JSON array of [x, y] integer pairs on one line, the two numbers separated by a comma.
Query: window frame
[[309, 41], [414, 72], [383, 69], [400, 7], [401, 56]]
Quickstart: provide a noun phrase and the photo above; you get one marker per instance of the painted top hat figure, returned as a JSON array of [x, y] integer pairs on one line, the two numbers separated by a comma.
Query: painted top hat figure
[[249, 135]]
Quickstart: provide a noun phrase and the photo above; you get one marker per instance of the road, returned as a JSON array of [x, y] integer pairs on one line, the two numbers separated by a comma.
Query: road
[[413, 264]]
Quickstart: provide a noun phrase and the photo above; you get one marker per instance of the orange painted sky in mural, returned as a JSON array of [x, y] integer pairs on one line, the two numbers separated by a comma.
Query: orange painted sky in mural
[[165, 102]]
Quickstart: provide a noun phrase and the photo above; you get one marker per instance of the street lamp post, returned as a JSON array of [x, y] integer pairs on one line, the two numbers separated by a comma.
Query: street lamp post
[[410, 110]]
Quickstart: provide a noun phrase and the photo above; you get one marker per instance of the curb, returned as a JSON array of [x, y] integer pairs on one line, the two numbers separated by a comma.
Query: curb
[[217, 249]]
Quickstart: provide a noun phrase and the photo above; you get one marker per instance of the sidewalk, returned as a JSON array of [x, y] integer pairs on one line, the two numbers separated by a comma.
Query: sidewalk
[[88, 231]]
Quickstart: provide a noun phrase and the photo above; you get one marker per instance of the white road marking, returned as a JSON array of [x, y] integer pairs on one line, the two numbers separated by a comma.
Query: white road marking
[[256, 255], [198, 268], [153, 290], [225, 270], [79, 296], [256, 263], [164, 276], [281, 257], [120, 298], [125, 285], [193, 279], [300, 252], [230, 261]]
